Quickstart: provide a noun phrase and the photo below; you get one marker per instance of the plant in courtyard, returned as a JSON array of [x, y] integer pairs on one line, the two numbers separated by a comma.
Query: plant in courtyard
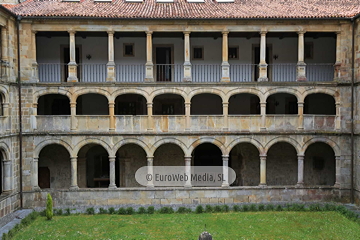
[[225, 208], [253, 208], [141, 210], [181, 210], [129, 211], [112, 210], [269, 207], [279, 208], [236, 208], [90, 211], [245, 208], [150, 210], [261, 207], [49, 207], [209, 209], [166, 210], [102, 211], [67, 211], [315, 207], [217, 208], [122, 211], [199, 209]]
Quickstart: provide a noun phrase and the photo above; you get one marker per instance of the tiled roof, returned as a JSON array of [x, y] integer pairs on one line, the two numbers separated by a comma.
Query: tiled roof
[[181, 9]]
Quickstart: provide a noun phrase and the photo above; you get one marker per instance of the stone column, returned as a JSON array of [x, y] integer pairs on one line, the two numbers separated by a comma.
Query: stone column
[[34, 65], [338, 116], [301, 66], [337, 65], [72, 65], [263, 116], [262, 170], [225, 66], [225, 159], [33, 121], [150, 118], [150, 161], [74, 184], [188, 171], [187, 116], [187, 63], [149, 66], [7, 175], [110, 76], [112, 116], [5, 57], [300, 182], [35, 175], [225, 115], [263, 65], [112, 172], [73, 116], [337, 171], [301, 115]]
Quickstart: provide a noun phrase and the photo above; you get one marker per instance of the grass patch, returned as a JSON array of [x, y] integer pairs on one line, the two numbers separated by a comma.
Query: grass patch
[[231, 225]]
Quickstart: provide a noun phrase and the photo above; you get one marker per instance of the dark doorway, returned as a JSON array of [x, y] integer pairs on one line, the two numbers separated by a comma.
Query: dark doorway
[[257, 61], [207, 154], [163, 64], [44, 177], [66, 54]]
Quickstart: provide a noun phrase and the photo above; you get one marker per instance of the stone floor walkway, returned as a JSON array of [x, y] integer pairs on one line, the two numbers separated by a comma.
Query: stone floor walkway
[[9, 221]]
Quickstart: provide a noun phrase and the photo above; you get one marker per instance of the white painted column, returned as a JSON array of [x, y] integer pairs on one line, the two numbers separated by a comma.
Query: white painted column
[[225, 66], [110, 76], [188, 171], [112, 116], [225, 159], [301, 115], [300, 182], [35, 175], [34, 65], [338, 116], [301, 66], [263, 116], [74, 184], [263, 65], [73, 126], [337, 171], [7, 175], [5, 57], [225, 115], [150, 178], [262, 170], [187, 116], [72, 65], [150, 118], [187, 63], [112, 172], [337, 65], [149, 66]]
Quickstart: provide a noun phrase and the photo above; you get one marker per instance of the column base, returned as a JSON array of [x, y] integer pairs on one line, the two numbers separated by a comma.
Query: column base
[[187, 79], [74, 188], [300, 128], [263, 79], [112, 187], [225, 79], [262, 185], [262, 129], [337, 185], [36, 188], [299, 185], [111, 129], [149, 79], [301, 79], [72, 79]]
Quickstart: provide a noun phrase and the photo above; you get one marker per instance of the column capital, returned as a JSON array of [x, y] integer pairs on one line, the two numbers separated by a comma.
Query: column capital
[[338, 32], [300, 155], [149, 104], [33, 31], [73, 159], [187, 32], [72, 104], [149, 157], [337, 103], [36, 159], [225, 157], [6, 161], [225, 32], [111, 104], [300, 104], [301, 32], [262, 155], [187, 158], [111, 32], [149, 32], [112, 158], [337, 157], [263, 32], [187, 103], [71, 31]]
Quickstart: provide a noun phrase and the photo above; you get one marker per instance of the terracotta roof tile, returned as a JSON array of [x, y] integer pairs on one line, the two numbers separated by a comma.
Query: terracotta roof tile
[[180, 9]]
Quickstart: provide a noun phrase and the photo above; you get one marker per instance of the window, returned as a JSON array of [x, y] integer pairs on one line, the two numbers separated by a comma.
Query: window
[[233, 53], [1, 106], [129, 50], [309, 50], [198, 53]]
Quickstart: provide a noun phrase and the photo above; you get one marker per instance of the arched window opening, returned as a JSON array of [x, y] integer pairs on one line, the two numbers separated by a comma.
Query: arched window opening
[[169, 154], [1, 105], [92, 104], [130, 104], [53, 104], [244, 104], [281, 103], [2, 175], [206, 104], [207, 154], [319, 103], [169, 104]]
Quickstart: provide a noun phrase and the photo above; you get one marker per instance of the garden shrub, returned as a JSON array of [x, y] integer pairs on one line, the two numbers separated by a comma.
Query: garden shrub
[[261, 207], [279, 208], [111, 210], [225, 208], [129, 211], [253, 208], [141, 210], [102, 211], [209, 209], [245, 208], [236, 208], [181, 210], [199, 209], [122, 211], [150, 210], [90, 211], [217, 208], [49, 207], [269, 207]]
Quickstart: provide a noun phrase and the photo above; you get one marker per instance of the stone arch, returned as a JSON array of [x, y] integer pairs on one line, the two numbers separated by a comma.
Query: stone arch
[[215, 91], [83, 91], [335, 94], [5, 151], [135, 141], [289, 140], [176, 91], [123, 91], [253, 91], [252, 141], [175, 141], [87, 141], [328, 141], [47, 142], [43, 92], [214, 141], [291, 91], [5, 94]]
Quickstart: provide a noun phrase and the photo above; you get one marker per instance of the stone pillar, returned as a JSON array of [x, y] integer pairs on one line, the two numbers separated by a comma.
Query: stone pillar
[[150, 161], [34, 65], [5, 57], [110, 76], [263, 65], [112, 172], [112, 116], [337, 171], [73, 116], [225, 115], [187, 116], [225, 66], [300, 182], [7, 175], [225, 159], [262, 170], [72, 65], [338, 116], [301, 66], [35, 175], [150, 118], [301, 115], [149, 66], [263, 116], [33, 121], [74, 184], [187, 63], [188, 171], [337, 65]]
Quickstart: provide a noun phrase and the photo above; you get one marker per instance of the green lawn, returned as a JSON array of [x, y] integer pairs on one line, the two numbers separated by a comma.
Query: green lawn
[[233, 225]]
